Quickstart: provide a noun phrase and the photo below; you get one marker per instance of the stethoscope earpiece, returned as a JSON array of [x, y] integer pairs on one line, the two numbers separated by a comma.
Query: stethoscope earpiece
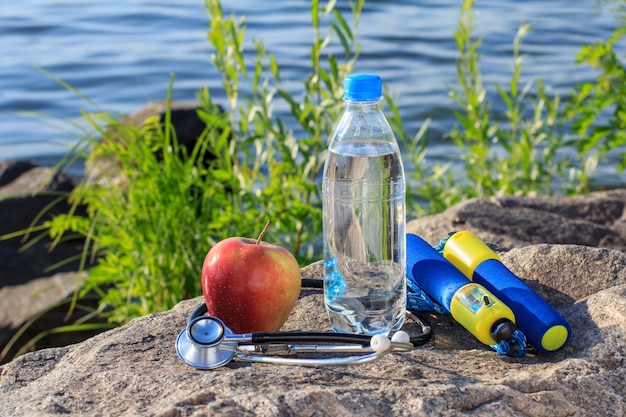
[[380, 343], [207, 343]]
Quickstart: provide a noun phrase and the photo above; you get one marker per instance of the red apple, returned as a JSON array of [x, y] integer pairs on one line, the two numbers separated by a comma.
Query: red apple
[[250, 285]]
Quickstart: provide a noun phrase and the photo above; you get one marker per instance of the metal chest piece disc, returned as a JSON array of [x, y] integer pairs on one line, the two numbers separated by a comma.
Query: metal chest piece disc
[[201, 344]]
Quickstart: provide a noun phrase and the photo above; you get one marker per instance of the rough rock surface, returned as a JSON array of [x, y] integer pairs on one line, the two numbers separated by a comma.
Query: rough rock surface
[[596, 219], [134, 370]]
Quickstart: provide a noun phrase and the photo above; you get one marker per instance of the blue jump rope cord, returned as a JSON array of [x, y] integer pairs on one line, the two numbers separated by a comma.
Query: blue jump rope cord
[[418, 300]]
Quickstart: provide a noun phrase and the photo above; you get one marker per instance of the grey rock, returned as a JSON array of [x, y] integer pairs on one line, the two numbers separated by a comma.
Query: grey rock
[[596, 219], [134, 370], [10, 170], [20, 303]]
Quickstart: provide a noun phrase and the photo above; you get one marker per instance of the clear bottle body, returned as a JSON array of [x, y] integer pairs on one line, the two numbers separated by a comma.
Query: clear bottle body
[[364, 224]]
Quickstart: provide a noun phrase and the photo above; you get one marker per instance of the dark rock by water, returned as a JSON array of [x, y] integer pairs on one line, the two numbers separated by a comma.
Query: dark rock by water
[[28, 286], [26, 191], [187, 128], [33, 277]]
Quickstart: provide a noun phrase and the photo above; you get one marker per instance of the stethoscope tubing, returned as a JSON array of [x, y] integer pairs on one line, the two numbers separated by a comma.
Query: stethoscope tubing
[[321, 337], [277, 360], [206, 343], [290, 337]]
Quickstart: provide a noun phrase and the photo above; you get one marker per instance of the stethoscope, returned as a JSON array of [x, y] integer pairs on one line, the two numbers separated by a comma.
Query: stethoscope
[[207, 343]]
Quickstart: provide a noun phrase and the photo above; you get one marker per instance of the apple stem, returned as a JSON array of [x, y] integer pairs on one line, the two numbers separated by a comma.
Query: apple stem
[[267, 225]]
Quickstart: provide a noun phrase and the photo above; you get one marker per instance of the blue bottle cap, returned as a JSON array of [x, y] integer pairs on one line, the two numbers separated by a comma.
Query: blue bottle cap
[[362, 87]]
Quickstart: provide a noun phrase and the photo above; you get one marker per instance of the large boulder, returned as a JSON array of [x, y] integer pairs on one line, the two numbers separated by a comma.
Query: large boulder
[[134, 369]]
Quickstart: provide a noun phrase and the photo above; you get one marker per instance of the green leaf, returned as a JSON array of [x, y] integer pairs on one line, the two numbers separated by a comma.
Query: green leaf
[[315, 12], [342, 27]]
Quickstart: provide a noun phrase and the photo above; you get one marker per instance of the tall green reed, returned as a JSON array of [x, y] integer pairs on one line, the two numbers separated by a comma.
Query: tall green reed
[[514, 152], [598, 110], [150, 232]]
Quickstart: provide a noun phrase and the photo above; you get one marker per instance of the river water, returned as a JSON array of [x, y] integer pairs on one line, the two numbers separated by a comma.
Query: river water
[[121, 55]]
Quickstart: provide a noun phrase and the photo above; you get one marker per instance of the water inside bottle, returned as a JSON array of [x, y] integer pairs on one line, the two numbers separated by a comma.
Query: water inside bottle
[[364, 232]]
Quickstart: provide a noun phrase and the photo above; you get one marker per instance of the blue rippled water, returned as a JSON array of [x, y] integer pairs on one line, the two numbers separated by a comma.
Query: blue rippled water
[[121, 54]]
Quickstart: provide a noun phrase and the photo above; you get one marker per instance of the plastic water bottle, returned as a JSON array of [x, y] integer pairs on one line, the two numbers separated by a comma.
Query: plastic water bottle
[[364, 216]]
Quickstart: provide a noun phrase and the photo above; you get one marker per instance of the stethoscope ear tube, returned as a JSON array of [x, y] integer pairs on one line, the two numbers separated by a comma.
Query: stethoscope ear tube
[[426, 332], [207, 343]]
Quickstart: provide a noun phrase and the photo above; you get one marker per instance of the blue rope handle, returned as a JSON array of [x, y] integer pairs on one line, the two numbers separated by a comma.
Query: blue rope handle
[[418, 300]]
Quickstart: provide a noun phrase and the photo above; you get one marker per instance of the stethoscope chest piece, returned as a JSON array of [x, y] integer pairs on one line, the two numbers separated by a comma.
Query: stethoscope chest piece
[[202, 343]]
